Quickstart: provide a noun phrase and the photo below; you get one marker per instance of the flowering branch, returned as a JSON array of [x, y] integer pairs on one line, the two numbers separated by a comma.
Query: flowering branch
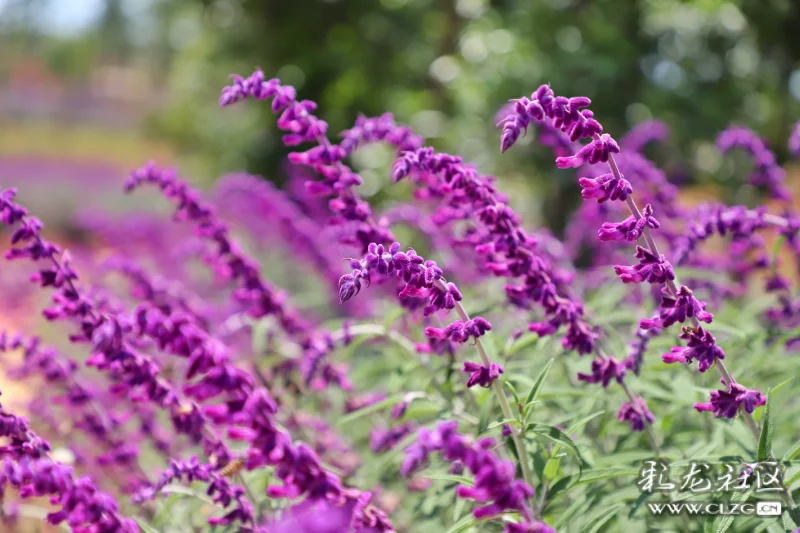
[[570, 116], [425, 279]]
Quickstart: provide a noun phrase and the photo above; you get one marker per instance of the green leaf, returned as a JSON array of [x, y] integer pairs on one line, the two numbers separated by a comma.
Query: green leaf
[[449, 477], [513, 390], [571, 511], [764, 526], [557, 436], [582, 422], [722, 523], [638, 503], [466, 523], [523, 342], [788, 523], [144, 526], [590, 476], [374, 408], [775, 249], [791, 481], [504, 421], [598, 521], [551, 468], [793, 452], [526, 411], [459, 508], [537, 385], [259, 337], [767, 431], [780, 385], [486, 414]]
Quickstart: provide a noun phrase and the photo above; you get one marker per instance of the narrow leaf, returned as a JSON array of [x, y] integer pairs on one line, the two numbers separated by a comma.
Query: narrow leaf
[[557, 436], [598, 521], [537, 385], [467, 522], [374, 408], [793, 452], [449, 477], [571, 511], [767, 431], [145, 527]]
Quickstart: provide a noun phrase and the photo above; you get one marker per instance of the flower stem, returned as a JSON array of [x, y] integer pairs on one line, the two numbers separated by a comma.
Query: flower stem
[[672, 287], [497, 387]]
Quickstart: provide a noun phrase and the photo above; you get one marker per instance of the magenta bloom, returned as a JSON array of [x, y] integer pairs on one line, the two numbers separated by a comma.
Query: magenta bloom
[[794, 140], [481, 374], [652, 269], [460, 331], [636, 414], [678, 309], [702, 346], [605, 187], [767, 172], [603, 371], [382, 439], [642, 134], [596, 151], [726, 403], [495, 482], [629, 229]]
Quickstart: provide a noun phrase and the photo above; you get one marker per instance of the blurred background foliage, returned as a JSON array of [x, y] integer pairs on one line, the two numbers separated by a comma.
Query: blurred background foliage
[[154, 68]]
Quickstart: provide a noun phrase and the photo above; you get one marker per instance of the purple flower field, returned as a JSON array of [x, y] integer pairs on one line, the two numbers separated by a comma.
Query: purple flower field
[[307, 359]]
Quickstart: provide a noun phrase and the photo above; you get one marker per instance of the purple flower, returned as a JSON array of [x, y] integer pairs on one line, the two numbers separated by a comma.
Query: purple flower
[[382, 440], [481, 374], [495, 483], [639, 347], [737, 221], [421, 278], [360, 401], [701, 346], [678, 309], [460, 331], [326, 158], [652, 269], [596, 151], [635, 413], [794, 140], [501, 244], [726, 403], [605, 187], [642, 134], [603, 371], [33, 474], [767, 172], [629, 229], [567, 114]]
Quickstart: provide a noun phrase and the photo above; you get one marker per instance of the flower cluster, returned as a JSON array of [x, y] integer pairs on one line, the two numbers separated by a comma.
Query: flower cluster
[[684, 305], [726, 403], [422, 279], [635, 413], [653, 266], [767, 172], [501, 244], [216, 377], [256, 295], [247, 413], [326, 158], [495, 483]]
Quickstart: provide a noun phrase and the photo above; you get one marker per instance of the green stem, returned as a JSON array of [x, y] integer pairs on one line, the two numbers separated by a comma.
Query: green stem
[[497, 387]]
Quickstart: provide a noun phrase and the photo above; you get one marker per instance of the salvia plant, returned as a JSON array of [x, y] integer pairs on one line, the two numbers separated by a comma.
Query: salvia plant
[[489, 378]]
